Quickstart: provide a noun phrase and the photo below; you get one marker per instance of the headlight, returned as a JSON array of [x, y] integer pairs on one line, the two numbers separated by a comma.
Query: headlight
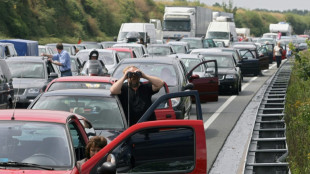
[[230, 76], [33, 90], [175, 101]]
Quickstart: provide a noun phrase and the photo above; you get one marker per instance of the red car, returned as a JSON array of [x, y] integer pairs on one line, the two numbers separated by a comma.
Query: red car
[[124, 52], [42, 141]]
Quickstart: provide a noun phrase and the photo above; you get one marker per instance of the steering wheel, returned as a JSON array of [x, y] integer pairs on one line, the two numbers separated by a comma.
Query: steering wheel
[[40, 158]]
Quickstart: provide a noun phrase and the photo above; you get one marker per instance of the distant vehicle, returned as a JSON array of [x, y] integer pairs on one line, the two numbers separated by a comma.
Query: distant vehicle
[[220, 44], [158, 28], [44, 49], [30, 75], [146, 31], [76, 66], [222, 31], [270, 35], [6, 86], [184, 22], [107, 44], [125, 52], [92, 45], [109, 58], [139, 48], [24, 47], [7, 50], [180, 47], [285, 28], [243, 32], [194, 42], [156, 50]]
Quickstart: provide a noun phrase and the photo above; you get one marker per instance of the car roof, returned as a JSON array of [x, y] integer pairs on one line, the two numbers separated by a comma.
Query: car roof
[[245, 46], [127, 44], [35, 115], [217, 53], [79, 92], [163, 59], [27, 59], [187, 56], [121, 49], [82, 79], [64, 44], [178, 43], [99, 50], [159, 45]]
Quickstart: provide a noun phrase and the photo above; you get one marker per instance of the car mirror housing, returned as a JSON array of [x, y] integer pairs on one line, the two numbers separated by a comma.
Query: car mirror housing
[[188, 86], [107, 168], [53, 76]]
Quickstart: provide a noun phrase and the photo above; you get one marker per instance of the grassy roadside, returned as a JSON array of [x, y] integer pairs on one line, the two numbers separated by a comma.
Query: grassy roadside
[[297, 110]]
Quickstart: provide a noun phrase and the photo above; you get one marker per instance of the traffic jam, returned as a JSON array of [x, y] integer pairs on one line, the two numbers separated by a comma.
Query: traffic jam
[[56, 98]]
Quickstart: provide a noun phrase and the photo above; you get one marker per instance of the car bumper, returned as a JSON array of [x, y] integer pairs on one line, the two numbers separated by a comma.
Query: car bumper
[[228, 85]]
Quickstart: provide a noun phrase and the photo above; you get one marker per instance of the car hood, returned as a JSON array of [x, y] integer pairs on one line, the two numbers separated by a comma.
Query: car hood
[[226, 71], [109, 134], [28, 82]]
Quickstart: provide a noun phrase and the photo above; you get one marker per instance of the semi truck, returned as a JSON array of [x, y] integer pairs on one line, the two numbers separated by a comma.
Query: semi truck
[[179, 22]]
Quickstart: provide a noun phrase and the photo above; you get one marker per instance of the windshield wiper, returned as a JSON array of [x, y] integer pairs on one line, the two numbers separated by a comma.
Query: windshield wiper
[[19, 164]]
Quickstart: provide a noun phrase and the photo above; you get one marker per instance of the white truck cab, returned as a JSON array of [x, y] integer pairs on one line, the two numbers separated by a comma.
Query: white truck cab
[[147, 31]]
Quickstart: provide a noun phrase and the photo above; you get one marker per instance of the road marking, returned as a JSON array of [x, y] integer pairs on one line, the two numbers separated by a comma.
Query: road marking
[[228, 101]]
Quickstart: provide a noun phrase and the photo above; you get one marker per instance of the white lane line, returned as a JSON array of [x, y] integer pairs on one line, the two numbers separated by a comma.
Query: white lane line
[[228, 101]]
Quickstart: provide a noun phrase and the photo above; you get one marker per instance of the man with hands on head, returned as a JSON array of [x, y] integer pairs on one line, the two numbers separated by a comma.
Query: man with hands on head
[[63, 60], [134, 95]]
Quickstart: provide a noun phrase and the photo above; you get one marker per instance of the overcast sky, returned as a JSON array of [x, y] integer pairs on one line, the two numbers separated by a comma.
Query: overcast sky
[[265, 4]]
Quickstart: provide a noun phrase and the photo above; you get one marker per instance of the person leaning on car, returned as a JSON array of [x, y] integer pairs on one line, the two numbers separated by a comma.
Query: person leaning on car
[[63, 60], [139, 94]]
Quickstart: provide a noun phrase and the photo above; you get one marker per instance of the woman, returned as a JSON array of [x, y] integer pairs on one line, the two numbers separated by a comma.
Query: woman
[[278, 54]]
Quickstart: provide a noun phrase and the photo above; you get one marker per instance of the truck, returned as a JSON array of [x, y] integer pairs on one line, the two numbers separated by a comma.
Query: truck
[[146, 31], [243, 32], [24, 47], [158, 28], [285, 28], [179, 21]]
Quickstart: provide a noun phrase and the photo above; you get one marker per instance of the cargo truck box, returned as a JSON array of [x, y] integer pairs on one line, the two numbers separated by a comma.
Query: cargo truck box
[[24, 47]]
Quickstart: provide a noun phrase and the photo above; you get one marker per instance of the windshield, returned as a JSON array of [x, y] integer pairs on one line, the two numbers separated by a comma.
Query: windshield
[[124, 55], [218, 35], [164, 71], [191, 63], [122, 36], [222, 61], [177, 25], [79, 85], [102, 112], [179, 48], [26, 69], [34, 142], [193, 43], [158, 51]]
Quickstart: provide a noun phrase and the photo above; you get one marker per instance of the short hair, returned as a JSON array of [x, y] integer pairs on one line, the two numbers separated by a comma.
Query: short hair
[[60, 46], [127, 67], [96, 141]]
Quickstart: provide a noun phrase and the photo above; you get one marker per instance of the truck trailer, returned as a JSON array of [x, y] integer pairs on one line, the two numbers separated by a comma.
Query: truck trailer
[[283, 27], [179, 22]]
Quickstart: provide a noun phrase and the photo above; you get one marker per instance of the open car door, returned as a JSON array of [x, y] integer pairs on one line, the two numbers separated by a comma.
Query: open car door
[[263, 60], [152, 147], [207, 85], [248, 63], [165, 110]]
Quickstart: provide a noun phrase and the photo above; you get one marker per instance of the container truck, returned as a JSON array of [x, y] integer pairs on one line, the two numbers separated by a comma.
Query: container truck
[[181, 22], [283, 27]]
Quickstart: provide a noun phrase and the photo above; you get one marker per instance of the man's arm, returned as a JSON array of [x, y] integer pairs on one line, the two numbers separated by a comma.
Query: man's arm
[[117, 86], [157, 83]]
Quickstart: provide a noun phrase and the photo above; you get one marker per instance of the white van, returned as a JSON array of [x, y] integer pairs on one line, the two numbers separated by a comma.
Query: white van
[[222, 31], [147, 31]]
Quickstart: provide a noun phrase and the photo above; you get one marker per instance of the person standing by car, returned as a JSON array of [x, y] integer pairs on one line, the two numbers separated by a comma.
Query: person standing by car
[[134, 95], [278, 54], [62, 60]]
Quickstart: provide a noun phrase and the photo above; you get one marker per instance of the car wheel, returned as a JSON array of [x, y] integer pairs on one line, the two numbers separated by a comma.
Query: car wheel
[[236, 90], [240, 86]]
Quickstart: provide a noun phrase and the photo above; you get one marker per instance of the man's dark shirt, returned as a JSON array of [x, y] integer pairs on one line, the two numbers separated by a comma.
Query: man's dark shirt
[[139, 101]]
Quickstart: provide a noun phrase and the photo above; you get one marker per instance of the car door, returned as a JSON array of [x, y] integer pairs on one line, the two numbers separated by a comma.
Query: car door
[[248, 63], [165, 110], [208, 85], [167, 146], [263, 61]]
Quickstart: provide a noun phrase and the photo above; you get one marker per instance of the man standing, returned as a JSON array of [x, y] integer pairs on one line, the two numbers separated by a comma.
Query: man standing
[[62, 60], [278, 53], [134, 95]]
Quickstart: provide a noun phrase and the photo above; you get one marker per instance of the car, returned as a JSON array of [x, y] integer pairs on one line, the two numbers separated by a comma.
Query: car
[[7, 50], [139, 48], [229, 73], [160, 50], [220, 44], [30, 76], [44, 141], [169, 69], [180, 47], [125, 52], [109, 58], [76, 66], [194, 42], [6, 86], [45, 50], [98, 106], [107, 44], [252, 63], [92, 45], [208, 43], [79, 82], [70, 48], [206, 83]]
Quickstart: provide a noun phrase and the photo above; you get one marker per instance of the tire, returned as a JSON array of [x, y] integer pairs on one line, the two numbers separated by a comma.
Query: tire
[[236, 90], [240, 86]]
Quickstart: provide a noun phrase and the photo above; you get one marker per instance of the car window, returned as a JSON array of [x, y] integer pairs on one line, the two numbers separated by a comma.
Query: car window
[[123, 55], [26, 69], [102, 112], [79, 85], [222, 61], [78, 142], [159, 51], [191, 63], [35, 142]]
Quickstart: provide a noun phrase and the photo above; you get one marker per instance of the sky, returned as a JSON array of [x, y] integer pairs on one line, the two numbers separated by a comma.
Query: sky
[[265, 4]]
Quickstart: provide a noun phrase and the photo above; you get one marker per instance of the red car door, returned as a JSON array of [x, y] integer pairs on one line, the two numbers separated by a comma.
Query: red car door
[[207, 86], [165, 112]]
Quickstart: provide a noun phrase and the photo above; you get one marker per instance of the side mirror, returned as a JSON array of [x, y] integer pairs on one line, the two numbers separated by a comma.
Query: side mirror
[[195, 76], [145, 55], [107, 168], [189, 86]]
